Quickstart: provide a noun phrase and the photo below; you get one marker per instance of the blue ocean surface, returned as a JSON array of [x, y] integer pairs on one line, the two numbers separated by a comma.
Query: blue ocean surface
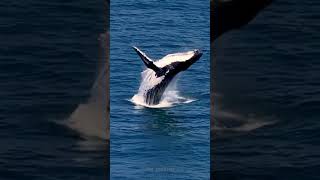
[[267, 98], [49, 60], [171, 142]]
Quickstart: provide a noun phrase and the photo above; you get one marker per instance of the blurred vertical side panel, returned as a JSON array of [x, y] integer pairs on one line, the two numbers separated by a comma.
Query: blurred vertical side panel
[[228, 119], [107, 40], [54, 89], [107, 88]]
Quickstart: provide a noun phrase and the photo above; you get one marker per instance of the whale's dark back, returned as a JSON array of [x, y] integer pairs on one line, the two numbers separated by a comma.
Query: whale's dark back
[[228, 15]]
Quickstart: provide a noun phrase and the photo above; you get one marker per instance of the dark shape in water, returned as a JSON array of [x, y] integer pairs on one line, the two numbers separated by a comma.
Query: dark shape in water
[[163, 71], [232, 14]]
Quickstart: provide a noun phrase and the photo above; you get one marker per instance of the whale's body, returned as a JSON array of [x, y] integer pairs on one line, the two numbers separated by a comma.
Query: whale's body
[[159, 74]]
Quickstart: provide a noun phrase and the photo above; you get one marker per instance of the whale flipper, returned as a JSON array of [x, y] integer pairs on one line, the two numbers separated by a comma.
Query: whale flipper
[[148, 62]]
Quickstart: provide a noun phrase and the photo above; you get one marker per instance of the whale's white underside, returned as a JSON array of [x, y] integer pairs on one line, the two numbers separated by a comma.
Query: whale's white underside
[[176, 57]]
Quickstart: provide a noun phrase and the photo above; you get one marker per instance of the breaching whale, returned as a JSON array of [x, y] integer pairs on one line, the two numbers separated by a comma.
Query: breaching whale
[[159, 74]]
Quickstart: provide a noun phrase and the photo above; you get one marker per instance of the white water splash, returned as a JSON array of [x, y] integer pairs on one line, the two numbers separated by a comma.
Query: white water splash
[[229, 121], [170, 97], [234, 122], [89, 119]]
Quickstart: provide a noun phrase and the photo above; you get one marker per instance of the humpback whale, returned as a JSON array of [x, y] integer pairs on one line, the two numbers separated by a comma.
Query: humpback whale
[[159, 74], [233, 14]]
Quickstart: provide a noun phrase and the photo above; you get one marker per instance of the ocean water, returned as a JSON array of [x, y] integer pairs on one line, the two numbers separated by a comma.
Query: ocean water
[[267, 100], [172, 141], [50, 58]]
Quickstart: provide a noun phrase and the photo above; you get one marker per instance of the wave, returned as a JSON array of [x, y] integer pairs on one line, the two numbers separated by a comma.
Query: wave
[[226, 120], [234, 122]]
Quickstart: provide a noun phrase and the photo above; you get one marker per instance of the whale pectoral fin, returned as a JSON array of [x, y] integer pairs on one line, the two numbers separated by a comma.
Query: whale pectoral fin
[[148, 62]]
